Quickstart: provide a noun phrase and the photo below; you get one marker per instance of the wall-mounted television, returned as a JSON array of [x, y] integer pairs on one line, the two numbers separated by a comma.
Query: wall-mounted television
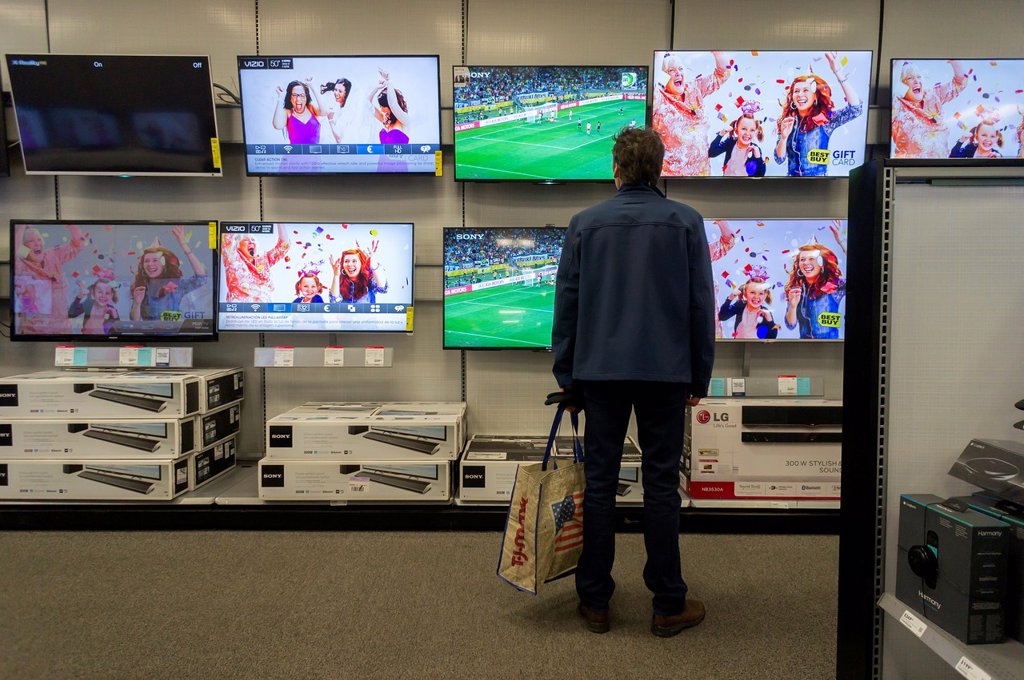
[[317, 115], [958, 110], [499, 286], [761, 113], [779, 279], [543, 123], [339, 277], [5, 163], [91, 114], [75, 280]]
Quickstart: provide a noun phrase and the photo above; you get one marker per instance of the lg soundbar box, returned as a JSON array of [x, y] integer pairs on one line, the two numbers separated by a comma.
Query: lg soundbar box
[[98, 438], [370, 482], [77, 395]]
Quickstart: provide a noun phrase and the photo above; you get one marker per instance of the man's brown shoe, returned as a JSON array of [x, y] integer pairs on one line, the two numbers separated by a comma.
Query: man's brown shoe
[[667, 626], [597, 622]]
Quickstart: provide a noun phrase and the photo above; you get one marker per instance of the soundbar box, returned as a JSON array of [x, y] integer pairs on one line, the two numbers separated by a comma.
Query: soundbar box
[[98, 438], [374, 482], [62, 480]]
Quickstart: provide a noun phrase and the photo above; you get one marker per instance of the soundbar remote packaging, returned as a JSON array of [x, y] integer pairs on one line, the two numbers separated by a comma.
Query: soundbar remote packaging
[[74, 395], [377, 482], [98, 438]]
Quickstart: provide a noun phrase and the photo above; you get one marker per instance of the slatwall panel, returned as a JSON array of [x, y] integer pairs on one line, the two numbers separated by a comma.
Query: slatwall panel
[[22, 29]]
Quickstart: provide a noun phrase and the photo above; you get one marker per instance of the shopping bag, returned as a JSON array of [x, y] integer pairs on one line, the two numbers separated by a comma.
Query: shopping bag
[[544, 531]]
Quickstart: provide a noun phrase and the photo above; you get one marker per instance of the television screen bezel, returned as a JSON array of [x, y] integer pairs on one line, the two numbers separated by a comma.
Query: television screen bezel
[[551, 180], [444, 307], [412, 282], [944, 162], [757, 341], [440, 105], [217, 172], [5, 156], [775, 178], [127, 339]]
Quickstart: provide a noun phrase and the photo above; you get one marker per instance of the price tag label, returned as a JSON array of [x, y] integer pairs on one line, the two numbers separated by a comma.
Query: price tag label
[[438, 162], [128, 356], [284, 356], [969, 670], [334, 356], [65, 356], [162, 356], [738, 387], [914, 624], [374, 356], [144, 357], [787, 386], [717, 387]]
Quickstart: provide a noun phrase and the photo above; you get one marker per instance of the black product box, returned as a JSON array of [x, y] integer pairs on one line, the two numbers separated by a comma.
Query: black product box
[[219, 386], [223, 422], [1013, 515], [952, 567], [995, 465], [212, 462]]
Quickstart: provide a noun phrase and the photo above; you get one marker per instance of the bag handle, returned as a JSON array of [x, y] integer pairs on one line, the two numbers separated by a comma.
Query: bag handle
[[577, 448]]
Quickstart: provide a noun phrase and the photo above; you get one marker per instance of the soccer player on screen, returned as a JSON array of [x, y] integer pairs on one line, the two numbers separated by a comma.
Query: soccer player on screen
[[246, 271], [679, 115], [297, 115], [39, 281], [159, 284], [918, 127], [816, 286], [357, 277]]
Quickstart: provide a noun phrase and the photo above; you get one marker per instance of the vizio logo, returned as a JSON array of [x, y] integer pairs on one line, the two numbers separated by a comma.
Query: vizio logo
[[280, 436], [8, 395], [474, 477], [272, 475], [3, 475], [6, 438], [703, 417]]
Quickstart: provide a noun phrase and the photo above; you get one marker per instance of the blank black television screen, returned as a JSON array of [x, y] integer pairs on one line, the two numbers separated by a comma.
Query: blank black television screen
[[115, 115]]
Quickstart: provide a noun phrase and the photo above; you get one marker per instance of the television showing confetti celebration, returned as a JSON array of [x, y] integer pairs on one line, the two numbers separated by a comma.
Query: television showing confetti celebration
[[957, 108], [499, 286], [779, 279], [543, 123], [761, 113], [113, 280], [342, 277]]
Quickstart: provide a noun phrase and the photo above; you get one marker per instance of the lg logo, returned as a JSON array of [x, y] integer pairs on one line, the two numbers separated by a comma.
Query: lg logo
[[703, 417]]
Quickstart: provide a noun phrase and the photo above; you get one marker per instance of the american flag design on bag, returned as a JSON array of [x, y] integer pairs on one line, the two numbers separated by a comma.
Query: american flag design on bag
[[568, 514]]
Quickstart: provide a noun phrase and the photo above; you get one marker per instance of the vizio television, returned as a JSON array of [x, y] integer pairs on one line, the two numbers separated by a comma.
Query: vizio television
[[499, 286], [543, 124], [316, 276], [957, 111], [90, 114], [319, 115], [761, 113], [779, 279], [77, 280]]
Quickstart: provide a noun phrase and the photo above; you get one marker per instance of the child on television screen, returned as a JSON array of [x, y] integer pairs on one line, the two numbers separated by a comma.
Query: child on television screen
[[308, 287], [743, 157], [97, 303], [749, 306], [980, 142]]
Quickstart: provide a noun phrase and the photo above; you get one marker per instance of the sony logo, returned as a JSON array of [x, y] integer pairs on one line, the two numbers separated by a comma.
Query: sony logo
[[280, 436], [473, 476], [930, 600], [479, 74], [272, 475], [8, 395], [469, 237]]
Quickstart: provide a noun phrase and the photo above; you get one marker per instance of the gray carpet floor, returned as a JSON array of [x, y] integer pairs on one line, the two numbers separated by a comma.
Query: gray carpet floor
[[394, 605]]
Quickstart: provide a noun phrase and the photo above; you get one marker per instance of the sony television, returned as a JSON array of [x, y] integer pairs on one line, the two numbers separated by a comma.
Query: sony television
[[325, 115], [91, 114], [957, 111], [96, 281], [543, 124], [499, 286], [779, 279], [761, 113], [316, 276]]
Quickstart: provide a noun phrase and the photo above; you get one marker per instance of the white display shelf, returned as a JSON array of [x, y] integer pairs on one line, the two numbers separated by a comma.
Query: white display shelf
[[323, 357], [765, 504], [1003, 661], [72, 357], [761, 387]]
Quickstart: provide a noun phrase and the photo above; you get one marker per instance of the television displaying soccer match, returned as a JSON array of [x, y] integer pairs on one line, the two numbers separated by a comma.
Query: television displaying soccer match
[[499, 286], [543, 123], [113, 280], [304, 115], [338, 277], [761, 113], [779, 279], [957, 109]]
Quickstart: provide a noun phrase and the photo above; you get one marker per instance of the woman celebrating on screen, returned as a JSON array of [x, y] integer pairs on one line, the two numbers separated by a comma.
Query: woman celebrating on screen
[[808, 120], [918, 126], [297, 115], [391, 109], [247, 271], [816, 287], [679, 116], [40, 285], [159, 284], [357, 278], [336, 115], [743, 156], [717, 249]]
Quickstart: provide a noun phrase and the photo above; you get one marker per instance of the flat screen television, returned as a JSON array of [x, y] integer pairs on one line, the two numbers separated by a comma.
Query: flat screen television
[[953, 111], [499, 286], [761, 113], [779, 279], [543, 124], [90, 114], [5, 162], [322, 115], [339, 277], [113, 280]]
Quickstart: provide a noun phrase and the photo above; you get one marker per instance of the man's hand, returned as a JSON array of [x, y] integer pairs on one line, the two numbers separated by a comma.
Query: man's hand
[[692, 401]]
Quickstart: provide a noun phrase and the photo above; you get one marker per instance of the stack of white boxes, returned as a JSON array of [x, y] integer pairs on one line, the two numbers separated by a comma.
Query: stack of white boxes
[[382, 453], [116, 435]]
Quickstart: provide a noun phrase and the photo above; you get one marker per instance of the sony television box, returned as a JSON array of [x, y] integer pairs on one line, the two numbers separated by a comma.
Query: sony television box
[[98, 438], [384, 482], [630, 490], [219, 387], [951, 566], [220, 423], [763, 449], [49, 395], [1012, 514], [213, 461], [411, 431], [141, 479]]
